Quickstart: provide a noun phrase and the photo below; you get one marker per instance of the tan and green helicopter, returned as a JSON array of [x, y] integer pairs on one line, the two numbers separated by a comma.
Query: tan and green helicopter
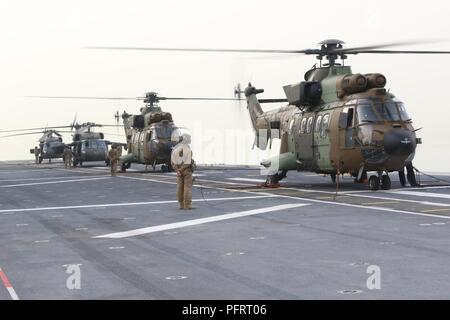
[[335, 121]]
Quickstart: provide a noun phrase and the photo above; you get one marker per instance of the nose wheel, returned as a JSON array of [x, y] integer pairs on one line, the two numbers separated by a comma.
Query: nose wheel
[[380, 181]]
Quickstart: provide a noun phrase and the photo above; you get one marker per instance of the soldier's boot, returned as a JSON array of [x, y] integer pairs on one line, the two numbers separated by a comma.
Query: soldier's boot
[[181, 205]]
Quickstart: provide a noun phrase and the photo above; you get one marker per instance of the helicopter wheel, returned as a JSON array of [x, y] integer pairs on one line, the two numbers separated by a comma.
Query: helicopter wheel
[[164, 168], [374, 183], [385, 182]]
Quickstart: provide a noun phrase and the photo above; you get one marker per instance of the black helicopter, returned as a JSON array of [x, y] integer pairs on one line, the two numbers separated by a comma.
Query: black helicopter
[[51, 145], [89, 145]]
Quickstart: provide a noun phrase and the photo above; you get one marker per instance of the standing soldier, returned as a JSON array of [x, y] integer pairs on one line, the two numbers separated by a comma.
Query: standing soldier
[[183, 164], [113, 159], [37, 152], [67, 157]]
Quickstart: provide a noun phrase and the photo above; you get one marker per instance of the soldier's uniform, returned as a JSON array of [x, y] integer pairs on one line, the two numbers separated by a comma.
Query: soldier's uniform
[[67, 156], [113, 158], [183, 164], [37, 152]]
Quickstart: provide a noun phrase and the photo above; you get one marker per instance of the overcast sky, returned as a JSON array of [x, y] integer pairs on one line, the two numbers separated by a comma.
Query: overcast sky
[[41, 54]]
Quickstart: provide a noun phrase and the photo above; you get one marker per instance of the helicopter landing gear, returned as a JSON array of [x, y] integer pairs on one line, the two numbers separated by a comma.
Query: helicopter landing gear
[[164, 168], [107, 162], [273, 180], [361, 178], [385, 182], [374, 183], [382, 181]]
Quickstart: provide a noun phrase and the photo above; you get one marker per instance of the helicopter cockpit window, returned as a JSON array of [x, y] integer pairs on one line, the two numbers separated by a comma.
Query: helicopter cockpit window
[[303, 126], [366, 114], [309, 125], [402, 110], [318, 123], [387, 110], [163, 132]]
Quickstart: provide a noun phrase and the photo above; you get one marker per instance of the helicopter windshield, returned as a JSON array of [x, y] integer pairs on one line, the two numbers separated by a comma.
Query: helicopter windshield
[[94, 144], [366, 114], [402, 110], [374, 111], [387, 110], [163, 132]]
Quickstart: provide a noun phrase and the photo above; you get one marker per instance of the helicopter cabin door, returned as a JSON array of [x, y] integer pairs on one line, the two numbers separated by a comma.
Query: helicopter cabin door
[[346, 128], [305, 141]]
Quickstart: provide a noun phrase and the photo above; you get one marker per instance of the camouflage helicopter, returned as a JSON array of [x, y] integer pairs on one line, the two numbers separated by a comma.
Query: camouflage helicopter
[[51, 144], [335, 121], [150, 135]]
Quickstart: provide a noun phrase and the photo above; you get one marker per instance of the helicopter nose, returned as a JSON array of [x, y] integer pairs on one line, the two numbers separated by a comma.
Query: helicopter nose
[[399, 142]]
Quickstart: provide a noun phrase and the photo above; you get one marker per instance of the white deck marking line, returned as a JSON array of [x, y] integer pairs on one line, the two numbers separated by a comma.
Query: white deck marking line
[[188, 223], [315, 200], [8, 285], [123, 204], [51, 182], [424, 194], [348, 194], [403, 189], [52, 178], [247, 179]]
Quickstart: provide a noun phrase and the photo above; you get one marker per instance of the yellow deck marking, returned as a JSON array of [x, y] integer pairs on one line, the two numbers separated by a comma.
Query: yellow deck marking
[[379, 202]]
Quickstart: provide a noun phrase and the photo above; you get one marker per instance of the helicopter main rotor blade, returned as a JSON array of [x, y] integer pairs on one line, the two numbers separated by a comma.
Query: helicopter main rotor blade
[[84, 98], [108, 125], [395, 52], [22, 134], [200, 99], [26, 129], [389, 44], [307, 51]]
